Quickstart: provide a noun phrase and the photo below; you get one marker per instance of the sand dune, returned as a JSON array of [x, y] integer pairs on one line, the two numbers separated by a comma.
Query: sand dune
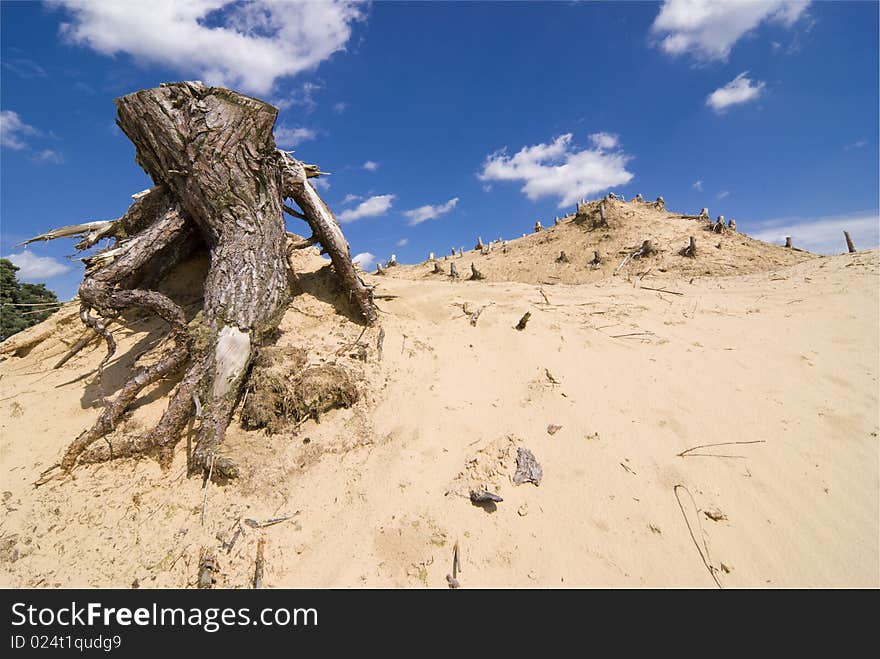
[[767, 357]]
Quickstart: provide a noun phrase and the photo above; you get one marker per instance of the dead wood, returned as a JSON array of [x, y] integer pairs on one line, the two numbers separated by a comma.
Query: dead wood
[[476, 275], [220, 186], [207, 568], [521, 325], [691, 249], [849, 243], [259, 563], [527, 468]]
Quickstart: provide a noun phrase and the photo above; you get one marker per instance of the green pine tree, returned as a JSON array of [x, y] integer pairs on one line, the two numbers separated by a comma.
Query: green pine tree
[[21, 305]]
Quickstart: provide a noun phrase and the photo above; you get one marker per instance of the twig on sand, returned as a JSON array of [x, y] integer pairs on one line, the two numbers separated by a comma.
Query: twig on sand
[[207, 485], [452, 579], [258, 569], [687, 452], [704, 556], [660, 290]]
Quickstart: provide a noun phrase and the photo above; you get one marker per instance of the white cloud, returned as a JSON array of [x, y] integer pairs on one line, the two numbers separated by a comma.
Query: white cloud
[[13, 130], [35, 269], [558, 169], [304, 98], [403, 242], [364, 260], [242, 45], [285, 136], [698, 185], [708, 29], [377, 205], [423, 213], [48, 156], [371, 166], [739, 90], [339, 108], [724, 194], [321, 184], [604, 140], [823, 235], [858, 144], [351, 197]]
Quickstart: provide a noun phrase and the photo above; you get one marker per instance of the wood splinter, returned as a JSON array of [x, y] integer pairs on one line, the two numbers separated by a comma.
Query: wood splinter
[[260, 561]]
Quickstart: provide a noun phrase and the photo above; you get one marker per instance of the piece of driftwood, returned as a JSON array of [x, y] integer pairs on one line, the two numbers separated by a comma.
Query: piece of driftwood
[[538, 226], [437, 269], [660, 204], [379, 269], [788, 241], [272, 521], [731, 224], [476, 275], [259, 563], [392, 261], [527, 468], [552, 429], [479, 246], [453, 271], [521, 325], [849, 243], [207, 568]]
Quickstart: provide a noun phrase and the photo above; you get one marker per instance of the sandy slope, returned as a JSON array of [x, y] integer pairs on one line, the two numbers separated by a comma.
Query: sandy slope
[[787, 359]]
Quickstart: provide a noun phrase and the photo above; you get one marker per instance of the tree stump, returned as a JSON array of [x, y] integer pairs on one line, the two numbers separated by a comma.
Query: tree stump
[[849, 243], [691, 250], [220, 185], [788, 241]]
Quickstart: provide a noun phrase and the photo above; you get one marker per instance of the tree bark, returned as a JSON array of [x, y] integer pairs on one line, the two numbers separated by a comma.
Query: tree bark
[[220, 183]]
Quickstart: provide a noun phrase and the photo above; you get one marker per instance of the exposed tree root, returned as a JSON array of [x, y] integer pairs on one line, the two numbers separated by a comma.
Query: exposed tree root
[[220, 185]]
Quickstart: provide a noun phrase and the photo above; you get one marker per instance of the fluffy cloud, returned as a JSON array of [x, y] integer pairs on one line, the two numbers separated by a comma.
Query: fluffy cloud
[[285, 136], [350, 198], [708, 29], [403, 242], [559, 169], [423, 213], [340, 107], [377, 205], [36, 269], [13, 131], [724, 194], [243, 45], [698, 185], [364, 260], [604, 140], [371, 166], [739, 90], [823, 235]]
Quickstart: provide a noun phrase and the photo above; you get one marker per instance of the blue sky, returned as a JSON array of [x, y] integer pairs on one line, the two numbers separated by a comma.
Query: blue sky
[[444, 121]]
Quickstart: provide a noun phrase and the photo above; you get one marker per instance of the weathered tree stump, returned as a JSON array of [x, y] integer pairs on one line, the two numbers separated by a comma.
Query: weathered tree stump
[[220, 185], [479, 246], [788, 241], [538, 226], [597, 259], [849, 243], [691, 249], [562, 258], [437, 269], [476, 275], [453, 271]]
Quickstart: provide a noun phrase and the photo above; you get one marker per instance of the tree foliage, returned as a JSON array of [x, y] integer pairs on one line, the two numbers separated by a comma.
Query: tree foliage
[[21, 304]]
